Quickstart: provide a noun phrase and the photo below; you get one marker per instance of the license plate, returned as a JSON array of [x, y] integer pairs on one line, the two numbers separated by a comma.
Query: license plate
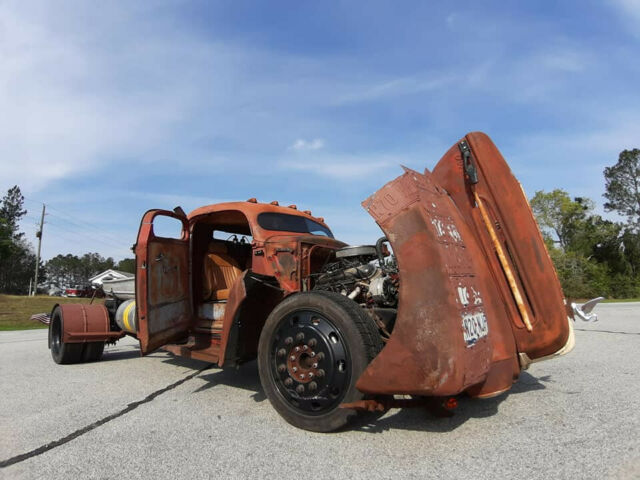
[[474, 327]]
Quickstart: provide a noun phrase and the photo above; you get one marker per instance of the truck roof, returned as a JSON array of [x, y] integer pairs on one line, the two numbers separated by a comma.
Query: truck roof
[[251, 209]]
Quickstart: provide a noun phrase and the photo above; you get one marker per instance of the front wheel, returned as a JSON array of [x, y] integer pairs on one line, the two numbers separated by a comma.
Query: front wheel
[[313, 348]]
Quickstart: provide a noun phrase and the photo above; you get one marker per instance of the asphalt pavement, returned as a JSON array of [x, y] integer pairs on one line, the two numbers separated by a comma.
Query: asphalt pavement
[[160, 416]]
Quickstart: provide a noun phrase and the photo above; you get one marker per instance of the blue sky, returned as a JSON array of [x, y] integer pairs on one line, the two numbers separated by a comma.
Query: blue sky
[[108, 109]]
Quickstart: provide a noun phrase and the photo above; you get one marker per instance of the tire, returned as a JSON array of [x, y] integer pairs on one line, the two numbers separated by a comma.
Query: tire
[[92, 351], [313, 348], [62, 353]]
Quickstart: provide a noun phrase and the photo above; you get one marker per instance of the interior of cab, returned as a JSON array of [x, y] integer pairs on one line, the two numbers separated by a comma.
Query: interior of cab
[[221, 252]]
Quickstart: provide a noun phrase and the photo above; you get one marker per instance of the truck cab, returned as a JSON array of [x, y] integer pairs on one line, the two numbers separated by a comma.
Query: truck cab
[[206, 292]]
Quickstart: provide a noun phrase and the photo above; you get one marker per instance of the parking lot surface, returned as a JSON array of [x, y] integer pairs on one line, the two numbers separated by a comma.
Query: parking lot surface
[[165, 417]]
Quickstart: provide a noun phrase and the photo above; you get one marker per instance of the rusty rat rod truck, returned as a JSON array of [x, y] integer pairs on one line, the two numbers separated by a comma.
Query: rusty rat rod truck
[[464, 300]]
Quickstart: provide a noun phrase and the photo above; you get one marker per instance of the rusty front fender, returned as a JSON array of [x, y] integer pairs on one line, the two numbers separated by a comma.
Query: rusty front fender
[[429, 352]]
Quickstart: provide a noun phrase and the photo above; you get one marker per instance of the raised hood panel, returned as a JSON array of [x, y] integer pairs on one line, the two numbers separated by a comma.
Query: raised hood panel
[[458, 326]]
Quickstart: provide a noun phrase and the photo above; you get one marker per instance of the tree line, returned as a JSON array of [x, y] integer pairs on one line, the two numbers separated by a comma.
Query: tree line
[[594, 256], [18, 259]]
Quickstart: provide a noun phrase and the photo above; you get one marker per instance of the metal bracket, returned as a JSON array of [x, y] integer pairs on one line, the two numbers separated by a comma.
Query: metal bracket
[[467, 162], [584, 312]]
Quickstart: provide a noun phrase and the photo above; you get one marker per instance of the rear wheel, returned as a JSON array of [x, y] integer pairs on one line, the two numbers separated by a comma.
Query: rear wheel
[[313, 348], [92, 351], [62, 353]]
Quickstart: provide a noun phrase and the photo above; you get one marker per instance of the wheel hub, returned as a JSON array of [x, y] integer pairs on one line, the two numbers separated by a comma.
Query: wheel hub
[[310, 362]]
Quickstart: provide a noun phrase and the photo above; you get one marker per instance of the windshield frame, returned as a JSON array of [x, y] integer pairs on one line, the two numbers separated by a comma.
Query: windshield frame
[[265, 221]]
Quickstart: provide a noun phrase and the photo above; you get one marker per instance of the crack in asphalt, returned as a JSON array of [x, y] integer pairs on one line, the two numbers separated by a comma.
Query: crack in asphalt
[[72, 436], [606, 331]]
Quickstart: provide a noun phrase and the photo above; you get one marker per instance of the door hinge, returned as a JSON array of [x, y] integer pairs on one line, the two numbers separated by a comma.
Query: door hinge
[[467, 162]]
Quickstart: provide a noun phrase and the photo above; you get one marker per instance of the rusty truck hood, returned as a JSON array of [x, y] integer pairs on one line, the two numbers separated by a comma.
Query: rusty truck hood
[[463, 316]]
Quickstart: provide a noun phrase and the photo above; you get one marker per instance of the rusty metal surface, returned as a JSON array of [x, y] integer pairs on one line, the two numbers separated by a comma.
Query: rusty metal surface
[[520, 236], [429, 352], [251, 209], [82, 323], [162, 284], [450, 270]]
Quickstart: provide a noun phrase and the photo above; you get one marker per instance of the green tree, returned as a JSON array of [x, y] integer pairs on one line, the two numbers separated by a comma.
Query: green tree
[[560, 216], [622, 183], [17, 259], [12, 210], [127, 265]]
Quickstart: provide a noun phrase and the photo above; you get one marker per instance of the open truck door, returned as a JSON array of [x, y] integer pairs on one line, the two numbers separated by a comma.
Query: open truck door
[[162, 280]]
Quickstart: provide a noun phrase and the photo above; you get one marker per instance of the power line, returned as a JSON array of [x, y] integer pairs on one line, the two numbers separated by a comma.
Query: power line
[[63, 215], [94, 238]]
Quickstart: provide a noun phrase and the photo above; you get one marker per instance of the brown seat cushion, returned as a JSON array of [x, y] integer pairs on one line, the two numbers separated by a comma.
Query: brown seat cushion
[[219, 273]]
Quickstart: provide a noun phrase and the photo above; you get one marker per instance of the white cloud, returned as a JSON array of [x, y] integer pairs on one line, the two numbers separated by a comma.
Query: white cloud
[[302, 145], [73, 101], [629, 8]]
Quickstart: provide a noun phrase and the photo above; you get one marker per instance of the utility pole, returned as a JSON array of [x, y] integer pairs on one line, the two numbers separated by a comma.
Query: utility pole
[[39, 235]]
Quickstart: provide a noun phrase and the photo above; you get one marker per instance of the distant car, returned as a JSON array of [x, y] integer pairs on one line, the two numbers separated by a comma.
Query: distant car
[[78, 291]]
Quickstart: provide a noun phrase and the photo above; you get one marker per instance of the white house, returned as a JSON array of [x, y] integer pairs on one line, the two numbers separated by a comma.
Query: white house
[[109, 274]]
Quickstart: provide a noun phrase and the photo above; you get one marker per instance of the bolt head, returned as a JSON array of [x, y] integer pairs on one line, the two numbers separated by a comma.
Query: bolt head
[[320, 356], [300, 336], [295, 369], [302, 376], [320, 373], [313, 386], [300, 389], [288, 382], [288, 341], [312, 354], [297, 349], [282, 352], [315, 365], [292, 358], [313, 342], [282, 368], [304, 347], [310, 374]]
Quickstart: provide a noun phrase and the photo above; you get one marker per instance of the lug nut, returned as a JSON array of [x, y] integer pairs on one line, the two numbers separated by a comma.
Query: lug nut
[[315, 365], [282, 368], [300, 389], [282, 352], [320, 373], [313, 386], [288, 382], [312, 354], [313, 342], [304, 347], [288, 341], [321, 356], [300, 337], [310, 374]]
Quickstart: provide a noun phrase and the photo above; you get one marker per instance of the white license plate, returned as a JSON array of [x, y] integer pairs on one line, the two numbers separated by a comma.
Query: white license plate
[[475, 327]]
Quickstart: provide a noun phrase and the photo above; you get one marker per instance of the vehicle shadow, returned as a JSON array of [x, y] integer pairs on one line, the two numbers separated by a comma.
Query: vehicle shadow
[[125, 353], [244, 377], [419, 419]]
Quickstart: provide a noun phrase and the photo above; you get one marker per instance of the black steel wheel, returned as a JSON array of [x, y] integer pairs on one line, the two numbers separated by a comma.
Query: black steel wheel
[[62, 353], [313, 348]]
